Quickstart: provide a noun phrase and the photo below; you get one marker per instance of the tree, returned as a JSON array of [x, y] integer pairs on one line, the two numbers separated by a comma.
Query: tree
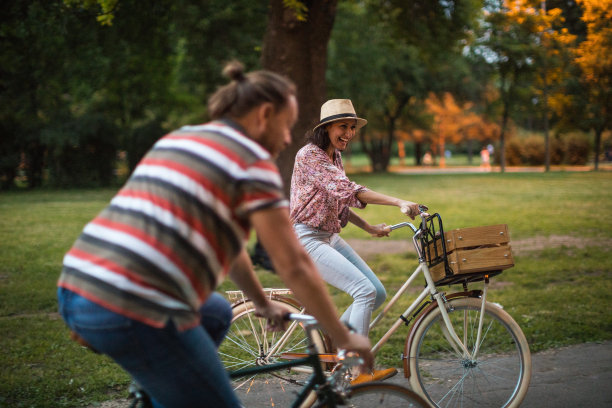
[[387, 66], [552, 63], [455, 123], [42, 79], [594, 57], [509, 43], [295, 45]]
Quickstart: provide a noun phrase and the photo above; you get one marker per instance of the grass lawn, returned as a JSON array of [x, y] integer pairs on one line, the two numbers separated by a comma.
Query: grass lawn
[[558, 295]]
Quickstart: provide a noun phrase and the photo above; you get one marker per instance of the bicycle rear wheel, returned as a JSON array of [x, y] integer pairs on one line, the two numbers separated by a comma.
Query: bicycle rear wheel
[[249, 344], [498, 377], [382, 395]]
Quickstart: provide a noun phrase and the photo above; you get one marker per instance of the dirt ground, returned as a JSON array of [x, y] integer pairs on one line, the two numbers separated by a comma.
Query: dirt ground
[[368, 248]]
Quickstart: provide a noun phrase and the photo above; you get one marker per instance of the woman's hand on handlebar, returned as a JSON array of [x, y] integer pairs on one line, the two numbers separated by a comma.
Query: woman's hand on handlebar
[[379, 230], [412, 209]]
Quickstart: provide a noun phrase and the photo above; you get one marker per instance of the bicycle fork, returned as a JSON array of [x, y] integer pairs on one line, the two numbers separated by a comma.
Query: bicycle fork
[[449, 331]]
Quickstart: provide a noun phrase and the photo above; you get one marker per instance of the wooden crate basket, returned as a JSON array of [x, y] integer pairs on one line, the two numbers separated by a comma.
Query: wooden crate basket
[[471, 253]]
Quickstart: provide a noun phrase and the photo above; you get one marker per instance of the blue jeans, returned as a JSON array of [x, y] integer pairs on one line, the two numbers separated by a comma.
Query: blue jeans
[[341, 267], [177, 369]]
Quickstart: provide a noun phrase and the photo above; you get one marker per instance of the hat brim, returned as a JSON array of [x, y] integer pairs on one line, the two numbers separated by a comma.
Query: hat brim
[[360, 122]]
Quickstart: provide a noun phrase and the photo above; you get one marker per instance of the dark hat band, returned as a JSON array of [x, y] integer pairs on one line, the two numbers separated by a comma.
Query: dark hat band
[[340, 116]]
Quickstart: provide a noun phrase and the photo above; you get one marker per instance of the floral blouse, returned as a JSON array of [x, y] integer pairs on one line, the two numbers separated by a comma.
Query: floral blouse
[[321, 193]]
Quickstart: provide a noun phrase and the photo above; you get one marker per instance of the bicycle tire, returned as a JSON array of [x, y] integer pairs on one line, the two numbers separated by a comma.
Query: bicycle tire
[[379, 395], [498, 378], [247, 344]]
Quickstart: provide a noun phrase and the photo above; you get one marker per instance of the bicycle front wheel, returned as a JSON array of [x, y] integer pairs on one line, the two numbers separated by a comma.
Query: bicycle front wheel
[[382, 395], [499, 375], [249, 344]]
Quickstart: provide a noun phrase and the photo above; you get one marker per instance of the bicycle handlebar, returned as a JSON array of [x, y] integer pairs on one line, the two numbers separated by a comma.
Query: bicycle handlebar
[[422, 213], [308, 320]]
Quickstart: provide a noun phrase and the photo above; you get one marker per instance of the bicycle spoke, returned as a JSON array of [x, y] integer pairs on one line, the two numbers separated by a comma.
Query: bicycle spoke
[[250, 344]]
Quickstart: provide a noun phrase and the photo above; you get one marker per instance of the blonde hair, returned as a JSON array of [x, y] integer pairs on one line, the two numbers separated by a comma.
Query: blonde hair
[[247, 91]]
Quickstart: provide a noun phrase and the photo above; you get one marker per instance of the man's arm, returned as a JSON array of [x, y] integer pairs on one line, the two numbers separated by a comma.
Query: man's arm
[[243, 275]]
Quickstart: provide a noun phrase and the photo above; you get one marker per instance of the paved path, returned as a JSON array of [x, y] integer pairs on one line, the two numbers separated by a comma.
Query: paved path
[[577, 376], [568, 377]]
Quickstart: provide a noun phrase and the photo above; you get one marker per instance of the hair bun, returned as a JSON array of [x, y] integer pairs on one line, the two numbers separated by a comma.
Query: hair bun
[[234, 70]]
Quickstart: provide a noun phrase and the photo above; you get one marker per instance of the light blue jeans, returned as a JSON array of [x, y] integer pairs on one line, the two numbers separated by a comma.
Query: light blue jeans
[[341, 267], [177, 369]]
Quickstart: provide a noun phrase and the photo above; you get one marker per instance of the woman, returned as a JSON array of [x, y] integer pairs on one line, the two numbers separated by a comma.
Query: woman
[[321, 197]]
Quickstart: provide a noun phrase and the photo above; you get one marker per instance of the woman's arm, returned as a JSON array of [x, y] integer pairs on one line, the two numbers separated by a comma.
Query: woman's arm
[[372, 197], [379, 230]]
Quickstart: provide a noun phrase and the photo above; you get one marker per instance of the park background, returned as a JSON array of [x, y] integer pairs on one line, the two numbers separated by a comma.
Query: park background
[[86, 87]]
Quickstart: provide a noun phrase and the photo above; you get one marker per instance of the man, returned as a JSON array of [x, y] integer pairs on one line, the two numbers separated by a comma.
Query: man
[[138, 283]]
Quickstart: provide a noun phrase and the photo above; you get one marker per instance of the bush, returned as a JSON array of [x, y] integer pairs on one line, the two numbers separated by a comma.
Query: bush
[[514, 152], [557, 150], [576, 148], [9, 155], [534, 152], [572, 148]]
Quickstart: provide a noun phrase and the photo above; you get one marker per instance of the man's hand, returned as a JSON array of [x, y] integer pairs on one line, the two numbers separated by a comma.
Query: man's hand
[[275, 314]]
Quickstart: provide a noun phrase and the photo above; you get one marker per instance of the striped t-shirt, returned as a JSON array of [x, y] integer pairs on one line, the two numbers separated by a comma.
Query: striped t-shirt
[[169, 236]]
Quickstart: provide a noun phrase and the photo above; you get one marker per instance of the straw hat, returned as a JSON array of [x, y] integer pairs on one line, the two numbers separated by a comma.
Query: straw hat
[[338, 109]]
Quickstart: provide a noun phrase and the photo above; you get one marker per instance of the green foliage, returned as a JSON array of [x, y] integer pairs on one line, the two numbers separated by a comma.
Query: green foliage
[[155, 64], [141, 140], [83, 151], [298, 7], [107, 8]]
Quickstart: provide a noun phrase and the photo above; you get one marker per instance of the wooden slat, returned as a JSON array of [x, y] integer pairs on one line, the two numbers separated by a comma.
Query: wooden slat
[[475, 260]]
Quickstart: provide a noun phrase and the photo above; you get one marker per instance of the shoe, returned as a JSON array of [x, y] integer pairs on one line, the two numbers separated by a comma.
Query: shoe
[[376, 375]]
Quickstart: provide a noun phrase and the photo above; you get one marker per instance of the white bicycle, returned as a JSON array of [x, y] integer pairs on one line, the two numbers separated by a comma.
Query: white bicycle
[[461, 350]]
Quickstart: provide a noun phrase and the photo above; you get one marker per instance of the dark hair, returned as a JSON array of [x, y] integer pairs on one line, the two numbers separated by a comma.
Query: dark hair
[[247, 91], [319, 137]]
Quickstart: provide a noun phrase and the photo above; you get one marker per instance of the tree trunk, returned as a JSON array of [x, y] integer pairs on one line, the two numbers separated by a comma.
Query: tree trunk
[[298, 50], [470, 150], [546, 137], [598, 133], [35, 163], [418, 153], [502, 137]]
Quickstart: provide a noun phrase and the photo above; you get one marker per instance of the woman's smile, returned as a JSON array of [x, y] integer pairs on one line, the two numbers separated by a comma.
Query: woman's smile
[[340, 133]]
